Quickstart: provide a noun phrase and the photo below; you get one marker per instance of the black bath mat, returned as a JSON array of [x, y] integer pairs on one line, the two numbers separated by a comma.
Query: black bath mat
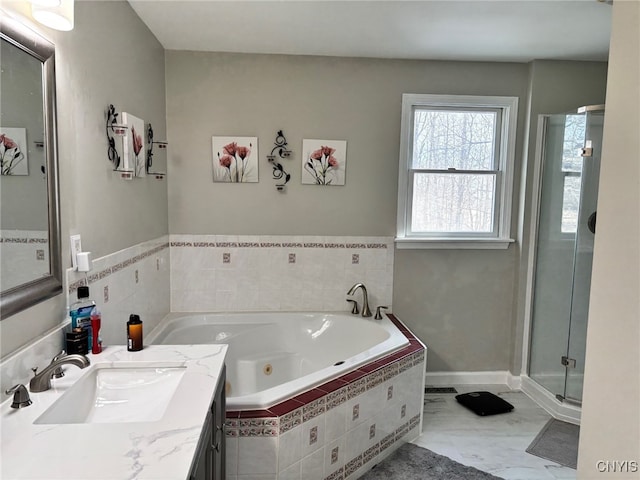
[[484, 403]]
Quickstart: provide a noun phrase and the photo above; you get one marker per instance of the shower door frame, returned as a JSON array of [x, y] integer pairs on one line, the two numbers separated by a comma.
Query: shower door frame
[[565, 411]]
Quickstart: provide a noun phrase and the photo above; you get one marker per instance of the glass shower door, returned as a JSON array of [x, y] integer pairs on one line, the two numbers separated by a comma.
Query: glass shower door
[[558, 215], [564, 250], [583, 256]]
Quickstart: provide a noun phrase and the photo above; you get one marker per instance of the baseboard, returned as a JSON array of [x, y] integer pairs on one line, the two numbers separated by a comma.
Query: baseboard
[[544, 398], [500, 377]]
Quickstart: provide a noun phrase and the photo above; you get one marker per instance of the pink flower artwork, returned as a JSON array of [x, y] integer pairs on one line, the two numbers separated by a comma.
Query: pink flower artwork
[[13, 153], [324, 162], [235, 159]]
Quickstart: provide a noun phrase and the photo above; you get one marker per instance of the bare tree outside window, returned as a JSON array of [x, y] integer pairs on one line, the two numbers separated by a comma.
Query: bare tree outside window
[[454, 184]]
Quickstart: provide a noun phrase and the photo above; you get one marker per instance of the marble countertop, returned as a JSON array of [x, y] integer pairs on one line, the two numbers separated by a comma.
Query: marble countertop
[[158, 450]]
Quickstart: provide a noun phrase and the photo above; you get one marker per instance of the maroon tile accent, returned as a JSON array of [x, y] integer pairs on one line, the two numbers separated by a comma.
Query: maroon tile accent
[[254, 414], [352, 376], [373, 366], [285, 407], [309, 396], [232, 414], [332, 386]]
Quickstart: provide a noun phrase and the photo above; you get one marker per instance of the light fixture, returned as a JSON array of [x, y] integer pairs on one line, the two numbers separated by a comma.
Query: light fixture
[[56, 14]]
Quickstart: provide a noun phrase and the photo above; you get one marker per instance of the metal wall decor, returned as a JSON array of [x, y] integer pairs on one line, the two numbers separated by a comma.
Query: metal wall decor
[[150, 144], [113, 128], [279, 172]]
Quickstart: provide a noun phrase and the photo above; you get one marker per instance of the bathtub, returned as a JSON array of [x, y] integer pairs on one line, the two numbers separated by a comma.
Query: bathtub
[[274, 356]]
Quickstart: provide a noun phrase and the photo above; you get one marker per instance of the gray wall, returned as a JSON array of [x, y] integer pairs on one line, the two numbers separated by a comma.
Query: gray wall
[[610, 427], [357, 100], [109, 57], [461, 303], [554, 87]]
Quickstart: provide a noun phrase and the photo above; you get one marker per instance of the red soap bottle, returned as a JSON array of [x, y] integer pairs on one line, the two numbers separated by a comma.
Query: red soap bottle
[[96, 322]]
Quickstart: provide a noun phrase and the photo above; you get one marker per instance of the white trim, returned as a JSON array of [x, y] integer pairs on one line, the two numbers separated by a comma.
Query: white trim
[[499, 377], [560, 410], [509, 109], [457, 243]]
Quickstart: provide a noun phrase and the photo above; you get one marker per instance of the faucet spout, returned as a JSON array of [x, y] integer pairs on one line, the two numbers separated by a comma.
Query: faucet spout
[[41, 382], [366, 311]]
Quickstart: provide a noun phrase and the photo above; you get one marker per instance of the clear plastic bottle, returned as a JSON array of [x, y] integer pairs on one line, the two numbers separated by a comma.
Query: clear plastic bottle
[[80, 312]]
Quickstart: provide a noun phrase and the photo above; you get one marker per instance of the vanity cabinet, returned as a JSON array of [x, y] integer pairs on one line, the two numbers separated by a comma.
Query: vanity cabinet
[[209, 462]]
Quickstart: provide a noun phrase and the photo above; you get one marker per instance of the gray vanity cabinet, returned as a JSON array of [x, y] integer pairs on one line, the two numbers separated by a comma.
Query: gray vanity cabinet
[[209, 462]]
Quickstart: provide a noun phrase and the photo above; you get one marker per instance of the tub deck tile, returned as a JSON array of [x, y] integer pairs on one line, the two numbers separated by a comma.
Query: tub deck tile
[[285, 407], [332, 386], [310, 396], [253, 414]]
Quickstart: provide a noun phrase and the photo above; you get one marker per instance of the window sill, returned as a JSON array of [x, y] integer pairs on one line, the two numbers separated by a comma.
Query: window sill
[[403, 243]]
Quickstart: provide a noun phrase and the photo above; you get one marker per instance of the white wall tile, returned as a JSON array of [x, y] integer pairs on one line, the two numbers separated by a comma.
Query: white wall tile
[[290, 448], [257, 455], [312, 466]]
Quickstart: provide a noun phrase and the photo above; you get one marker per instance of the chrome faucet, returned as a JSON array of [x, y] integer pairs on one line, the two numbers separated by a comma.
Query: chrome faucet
[[41, 382], [366, 312]]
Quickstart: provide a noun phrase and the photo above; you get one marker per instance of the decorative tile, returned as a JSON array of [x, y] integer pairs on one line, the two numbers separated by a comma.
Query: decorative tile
[[353, 465], [355, 259], [414, 421], [372, 431], [226, 257], [292, 258], [402, 430], [313, 409], [313, 435], [336, 398], [370, 453], [337, 475], [355, 414], [334, 455], [357, 388], [403, 411], [390, 392], [387, 441], [374, 379]]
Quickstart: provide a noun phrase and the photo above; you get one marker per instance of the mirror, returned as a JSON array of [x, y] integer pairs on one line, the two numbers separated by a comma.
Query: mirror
[[30, 268]]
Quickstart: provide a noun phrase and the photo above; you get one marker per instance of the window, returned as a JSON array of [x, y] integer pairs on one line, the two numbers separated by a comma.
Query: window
[[456, 171], [574, 135]]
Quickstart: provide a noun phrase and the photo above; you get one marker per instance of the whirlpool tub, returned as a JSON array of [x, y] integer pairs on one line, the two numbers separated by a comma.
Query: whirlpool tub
[[275, 356]]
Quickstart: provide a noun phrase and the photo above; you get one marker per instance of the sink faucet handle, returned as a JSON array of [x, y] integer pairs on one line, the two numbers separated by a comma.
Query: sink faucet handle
[[58, 372], [378, 315], [20, 396], [354, 310]]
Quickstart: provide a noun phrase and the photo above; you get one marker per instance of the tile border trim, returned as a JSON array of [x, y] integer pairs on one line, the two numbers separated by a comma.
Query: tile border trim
[[99, 275]]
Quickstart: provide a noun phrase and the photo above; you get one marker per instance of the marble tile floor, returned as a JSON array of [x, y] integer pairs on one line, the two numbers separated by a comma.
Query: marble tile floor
[[495, 444]]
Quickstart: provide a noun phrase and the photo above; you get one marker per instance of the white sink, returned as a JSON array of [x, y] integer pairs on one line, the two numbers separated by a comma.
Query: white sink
[[108, 394]]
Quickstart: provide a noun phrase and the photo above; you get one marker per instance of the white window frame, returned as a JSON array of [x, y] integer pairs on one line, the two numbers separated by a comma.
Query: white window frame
[[500, 239]]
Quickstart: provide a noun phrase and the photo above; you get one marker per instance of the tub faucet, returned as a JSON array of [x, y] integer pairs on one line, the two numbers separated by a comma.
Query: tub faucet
[[366, 312], [42, 381]]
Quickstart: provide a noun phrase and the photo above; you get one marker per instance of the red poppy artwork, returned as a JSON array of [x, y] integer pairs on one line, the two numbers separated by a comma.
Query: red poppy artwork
[[134, 158], [235, 159], [324, 162], [13, 151]]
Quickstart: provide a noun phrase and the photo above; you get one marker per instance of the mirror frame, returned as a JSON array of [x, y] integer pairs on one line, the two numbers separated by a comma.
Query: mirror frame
[[28, 294]]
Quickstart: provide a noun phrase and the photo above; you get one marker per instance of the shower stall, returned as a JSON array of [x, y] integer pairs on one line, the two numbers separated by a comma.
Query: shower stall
[[569, 147]]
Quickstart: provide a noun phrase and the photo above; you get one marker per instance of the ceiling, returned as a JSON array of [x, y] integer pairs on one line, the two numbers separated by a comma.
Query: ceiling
[[480, 30]]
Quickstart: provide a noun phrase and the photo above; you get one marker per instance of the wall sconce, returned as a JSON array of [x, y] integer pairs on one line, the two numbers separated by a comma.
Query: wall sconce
[[56, 14]]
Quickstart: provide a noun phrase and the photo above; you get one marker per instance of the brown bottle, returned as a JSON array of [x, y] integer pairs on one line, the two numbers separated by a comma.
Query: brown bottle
[[134, 333]]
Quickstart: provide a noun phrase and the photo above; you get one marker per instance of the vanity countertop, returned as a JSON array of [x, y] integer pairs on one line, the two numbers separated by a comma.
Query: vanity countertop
[[157, 450]]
